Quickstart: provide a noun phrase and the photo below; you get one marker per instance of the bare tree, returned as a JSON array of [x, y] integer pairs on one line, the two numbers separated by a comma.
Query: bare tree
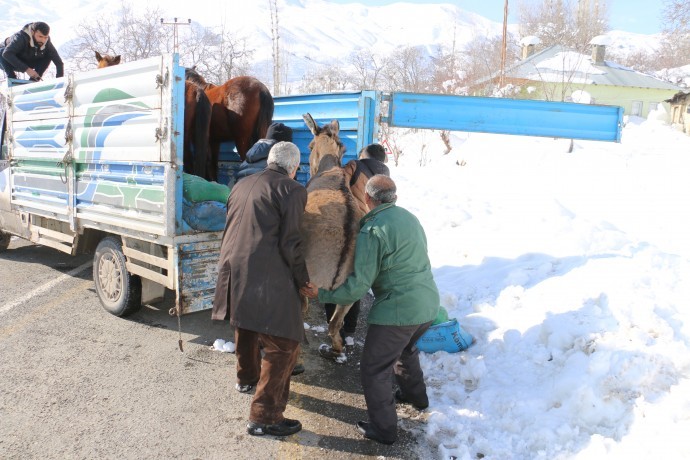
[[368, 68], [197, 48], [232, 56], [409, 70], [676, 14], [447, 76], [325, 79], [557, 84], [132, 37], [218, 54], [641, 61], [675, 45], [481, 59], [570, 23]]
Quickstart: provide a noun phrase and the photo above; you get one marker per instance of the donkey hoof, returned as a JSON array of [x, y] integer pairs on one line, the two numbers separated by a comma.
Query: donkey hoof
[[328, 352]]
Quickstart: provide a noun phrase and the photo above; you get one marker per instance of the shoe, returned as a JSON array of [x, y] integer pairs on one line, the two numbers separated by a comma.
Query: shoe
[[284, 428], [243, 388], [326, 351], [401, 399], [349, 341], [298, 369], [368, 432]]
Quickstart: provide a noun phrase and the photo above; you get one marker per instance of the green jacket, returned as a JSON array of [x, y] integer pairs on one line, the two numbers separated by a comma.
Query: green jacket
[[391, 258]]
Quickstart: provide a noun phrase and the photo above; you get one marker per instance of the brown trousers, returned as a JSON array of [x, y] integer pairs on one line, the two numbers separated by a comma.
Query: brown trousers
[[271, 374]]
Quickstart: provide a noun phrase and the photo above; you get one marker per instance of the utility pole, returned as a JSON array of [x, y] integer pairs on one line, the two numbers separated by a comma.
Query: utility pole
[[503, 45], [174, 23], [275, 36]]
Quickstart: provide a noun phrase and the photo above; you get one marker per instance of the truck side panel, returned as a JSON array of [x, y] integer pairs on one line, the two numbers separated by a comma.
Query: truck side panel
[[506, 116]]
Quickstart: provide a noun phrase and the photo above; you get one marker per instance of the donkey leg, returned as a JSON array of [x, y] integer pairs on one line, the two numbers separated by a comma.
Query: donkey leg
[[334, 326], [305, 306]]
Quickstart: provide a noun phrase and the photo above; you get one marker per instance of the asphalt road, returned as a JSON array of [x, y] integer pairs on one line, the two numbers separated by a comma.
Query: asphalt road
[[77, 382]]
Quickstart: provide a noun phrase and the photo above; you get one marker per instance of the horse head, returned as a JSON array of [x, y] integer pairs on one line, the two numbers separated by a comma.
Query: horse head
[[326, 148], [191, 75], [107, 60]]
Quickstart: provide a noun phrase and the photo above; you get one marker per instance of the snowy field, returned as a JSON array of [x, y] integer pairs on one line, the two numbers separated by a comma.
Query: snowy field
[[572, 271]]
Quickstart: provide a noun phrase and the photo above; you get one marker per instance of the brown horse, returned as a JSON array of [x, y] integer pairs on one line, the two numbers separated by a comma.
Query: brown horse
[[197, 122], [197, 119], [331, 221], [107, 60], [241, 111]]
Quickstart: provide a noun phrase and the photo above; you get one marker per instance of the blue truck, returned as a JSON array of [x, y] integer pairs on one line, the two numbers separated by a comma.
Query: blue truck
[[92, 163]]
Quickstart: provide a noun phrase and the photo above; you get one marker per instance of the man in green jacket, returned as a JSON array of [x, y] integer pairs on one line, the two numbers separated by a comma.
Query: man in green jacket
[[390, 258]]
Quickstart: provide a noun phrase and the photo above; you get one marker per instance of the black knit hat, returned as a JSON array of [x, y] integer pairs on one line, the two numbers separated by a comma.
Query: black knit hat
[[376, 151], [279, 132]]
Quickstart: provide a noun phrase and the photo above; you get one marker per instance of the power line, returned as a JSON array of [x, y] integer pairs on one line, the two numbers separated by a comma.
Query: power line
[[175, 24]]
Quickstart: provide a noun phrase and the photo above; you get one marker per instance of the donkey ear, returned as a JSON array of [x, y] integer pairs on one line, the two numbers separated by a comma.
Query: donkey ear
[[335, 126], [98, 56], [116, 59], [311, 124]]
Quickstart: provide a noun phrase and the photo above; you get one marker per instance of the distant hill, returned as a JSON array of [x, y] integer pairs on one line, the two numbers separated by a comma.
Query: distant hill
[[313, 32]]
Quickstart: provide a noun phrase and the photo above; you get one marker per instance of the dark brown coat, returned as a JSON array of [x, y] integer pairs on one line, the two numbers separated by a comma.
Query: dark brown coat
[[368, 167], [261, 262]]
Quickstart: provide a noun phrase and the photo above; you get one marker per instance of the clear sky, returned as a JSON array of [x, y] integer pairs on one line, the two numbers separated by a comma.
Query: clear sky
[[639, 16]]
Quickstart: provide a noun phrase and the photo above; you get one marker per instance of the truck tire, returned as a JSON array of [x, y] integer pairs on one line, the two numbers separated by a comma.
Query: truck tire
[[4, 240], [118, 290]]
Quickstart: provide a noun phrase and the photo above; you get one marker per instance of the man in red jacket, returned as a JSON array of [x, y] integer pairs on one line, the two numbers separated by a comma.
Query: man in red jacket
[[30, 51]]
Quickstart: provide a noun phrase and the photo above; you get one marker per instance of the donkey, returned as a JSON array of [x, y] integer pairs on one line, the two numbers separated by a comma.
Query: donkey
[[331, 221]]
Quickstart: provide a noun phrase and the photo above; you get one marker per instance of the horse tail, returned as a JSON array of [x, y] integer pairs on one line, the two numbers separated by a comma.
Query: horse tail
[[265, 114], [203, 160]]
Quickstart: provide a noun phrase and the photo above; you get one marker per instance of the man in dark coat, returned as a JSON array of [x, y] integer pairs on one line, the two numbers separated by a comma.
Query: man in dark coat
[[261, 269], [30, 51], [257, 155]]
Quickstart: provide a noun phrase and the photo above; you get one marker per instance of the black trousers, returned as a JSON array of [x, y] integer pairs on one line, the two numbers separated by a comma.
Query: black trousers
[[39, 66], [350, 320], [391, 350]]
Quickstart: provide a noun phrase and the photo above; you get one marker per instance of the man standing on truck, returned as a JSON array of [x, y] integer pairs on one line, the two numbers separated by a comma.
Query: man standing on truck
[[260, 271], [30, 51]]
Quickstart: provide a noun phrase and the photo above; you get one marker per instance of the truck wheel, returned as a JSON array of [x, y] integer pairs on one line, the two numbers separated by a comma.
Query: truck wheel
[[118, 290], [4, 240]]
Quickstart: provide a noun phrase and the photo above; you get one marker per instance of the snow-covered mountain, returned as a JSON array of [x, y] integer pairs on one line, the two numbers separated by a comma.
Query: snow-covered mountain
[[312, 32]]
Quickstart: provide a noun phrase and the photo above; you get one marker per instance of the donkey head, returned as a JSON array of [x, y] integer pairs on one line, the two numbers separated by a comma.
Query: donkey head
[[326, 148], [107, 60]]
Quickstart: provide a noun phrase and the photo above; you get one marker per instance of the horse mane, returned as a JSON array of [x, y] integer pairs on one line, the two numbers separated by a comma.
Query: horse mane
[[191, 75]]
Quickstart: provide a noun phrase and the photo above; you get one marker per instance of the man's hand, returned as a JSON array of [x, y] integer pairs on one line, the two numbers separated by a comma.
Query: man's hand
[[33, 74], [309, 290]]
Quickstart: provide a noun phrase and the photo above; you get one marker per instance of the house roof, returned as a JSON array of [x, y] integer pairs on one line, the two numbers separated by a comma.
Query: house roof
[[679, 97], [551, 64]]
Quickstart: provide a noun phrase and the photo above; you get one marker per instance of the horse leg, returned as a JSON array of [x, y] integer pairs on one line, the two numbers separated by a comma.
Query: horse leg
[[202, 122], [212, 164], [242, 144], [187, 158], [334, 326]]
